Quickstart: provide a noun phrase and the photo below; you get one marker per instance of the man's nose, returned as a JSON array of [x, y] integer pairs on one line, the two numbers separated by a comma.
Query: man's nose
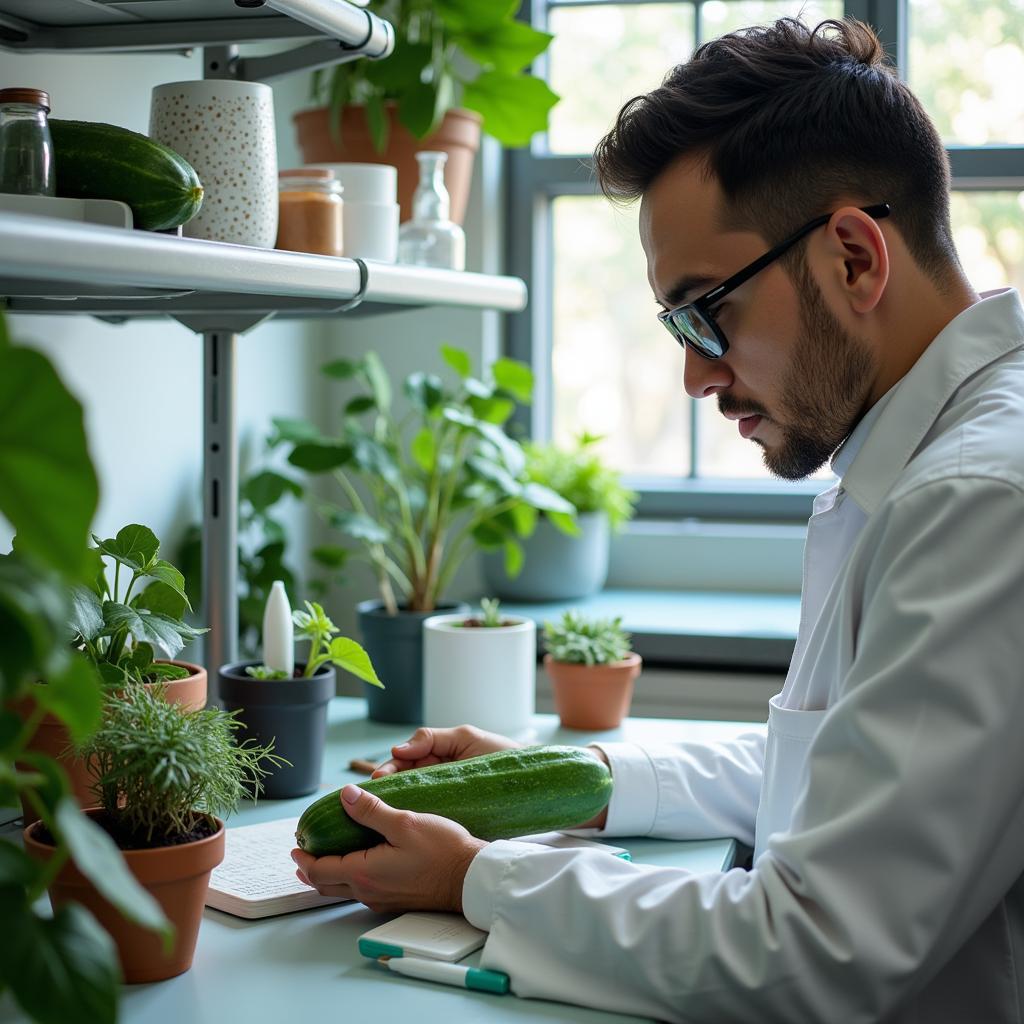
[[703, 377]]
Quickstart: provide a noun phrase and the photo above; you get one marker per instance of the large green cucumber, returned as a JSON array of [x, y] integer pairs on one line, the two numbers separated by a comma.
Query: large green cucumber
[[103, 161], [495, 796]]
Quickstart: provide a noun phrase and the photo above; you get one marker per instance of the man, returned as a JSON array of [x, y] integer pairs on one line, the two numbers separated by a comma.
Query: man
[[795, 219]]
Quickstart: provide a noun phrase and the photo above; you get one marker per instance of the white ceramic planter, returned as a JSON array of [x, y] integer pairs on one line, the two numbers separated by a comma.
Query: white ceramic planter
[[225, 130], [479, 676]]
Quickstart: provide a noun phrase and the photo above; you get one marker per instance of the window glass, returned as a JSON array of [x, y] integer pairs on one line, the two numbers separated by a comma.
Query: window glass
[[988, 228], [602, 56], [966, 65], [719, 16], [616, 371]]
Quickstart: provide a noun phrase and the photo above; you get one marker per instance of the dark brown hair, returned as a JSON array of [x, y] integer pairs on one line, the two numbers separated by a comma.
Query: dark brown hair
[[789, 119]]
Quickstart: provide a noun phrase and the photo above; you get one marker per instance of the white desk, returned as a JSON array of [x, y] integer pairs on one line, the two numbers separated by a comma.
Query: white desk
[[284, 969]]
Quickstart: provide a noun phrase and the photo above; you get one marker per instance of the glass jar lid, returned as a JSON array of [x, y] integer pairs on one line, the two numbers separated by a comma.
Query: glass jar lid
[[34, 96], [309, 179]]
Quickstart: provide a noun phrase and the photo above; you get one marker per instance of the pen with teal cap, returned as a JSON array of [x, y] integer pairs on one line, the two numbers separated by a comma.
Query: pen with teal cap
[[447, 974]]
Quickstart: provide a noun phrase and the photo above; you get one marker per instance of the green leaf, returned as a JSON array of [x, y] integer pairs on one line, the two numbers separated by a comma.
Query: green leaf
[[514, 556], [418, 109], [514, 377], [16, 866], [513, 107], [151, 627], [320, 458], [546, 499], [489, 535], [377, 377], [495, 473], [74, 695], [464, 15], [424, 449], [458, 360], [359, 404], [162, 671], [134, 546], [60, 969], [86, 613], [99, 859], [426, 390], [348, 655], [564, 522], [330, 556], [159, 597], [142, 657], [375, 459], [48, 487], [340, 369], [54, 785], [508, 46], [359, 526], [492, 410], [377, 121], [265, 489], [10, 728], [524, 519], [289, 430], [169, 577]]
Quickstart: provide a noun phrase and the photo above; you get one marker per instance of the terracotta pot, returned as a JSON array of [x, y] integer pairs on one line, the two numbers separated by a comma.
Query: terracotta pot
[[176, 876], [52, 737], [458, 136], [592, 697]]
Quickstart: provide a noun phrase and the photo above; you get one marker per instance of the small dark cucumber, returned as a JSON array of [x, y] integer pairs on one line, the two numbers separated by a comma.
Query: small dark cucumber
[[103, 161], [495, 796]]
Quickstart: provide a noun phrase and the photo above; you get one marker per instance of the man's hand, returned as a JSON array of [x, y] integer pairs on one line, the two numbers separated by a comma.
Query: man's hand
[[421, 865], [435, 746]]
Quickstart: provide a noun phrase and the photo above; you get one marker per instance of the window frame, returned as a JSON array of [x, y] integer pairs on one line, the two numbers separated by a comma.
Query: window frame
[[535, 178]]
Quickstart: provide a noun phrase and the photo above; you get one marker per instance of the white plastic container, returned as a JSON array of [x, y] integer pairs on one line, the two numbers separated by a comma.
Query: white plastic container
[[370, 214], [478, 675]]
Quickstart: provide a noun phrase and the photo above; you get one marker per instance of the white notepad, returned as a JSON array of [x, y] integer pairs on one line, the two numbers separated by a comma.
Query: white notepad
[[257, 876]]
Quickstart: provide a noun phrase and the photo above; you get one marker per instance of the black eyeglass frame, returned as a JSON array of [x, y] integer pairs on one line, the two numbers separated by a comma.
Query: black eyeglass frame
[[701, 306]]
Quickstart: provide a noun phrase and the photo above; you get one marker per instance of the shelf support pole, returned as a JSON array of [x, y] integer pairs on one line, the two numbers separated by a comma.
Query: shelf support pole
[[220, 501]]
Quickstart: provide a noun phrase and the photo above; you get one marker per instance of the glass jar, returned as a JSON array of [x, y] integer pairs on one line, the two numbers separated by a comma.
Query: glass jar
[[309, 211], [26, 149], [431, 238]]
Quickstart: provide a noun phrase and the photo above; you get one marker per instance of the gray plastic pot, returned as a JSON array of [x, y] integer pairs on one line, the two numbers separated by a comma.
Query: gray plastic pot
[[395, 646], [292, 713], [556, 567]]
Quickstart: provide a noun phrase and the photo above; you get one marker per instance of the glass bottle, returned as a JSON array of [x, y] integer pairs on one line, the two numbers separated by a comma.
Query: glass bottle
[[309, 211], [431, 238], [26, 149]]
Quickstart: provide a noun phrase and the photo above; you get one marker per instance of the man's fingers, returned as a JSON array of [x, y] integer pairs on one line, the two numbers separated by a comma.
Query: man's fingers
[[371, 811]]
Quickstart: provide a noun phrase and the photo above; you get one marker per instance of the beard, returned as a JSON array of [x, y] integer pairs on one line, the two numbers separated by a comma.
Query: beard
[[823, 392]]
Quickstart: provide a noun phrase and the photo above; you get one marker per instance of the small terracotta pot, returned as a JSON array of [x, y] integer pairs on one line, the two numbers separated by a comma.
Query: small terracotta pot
[[592, 697], [176, 876], [52, 738], [458, 135]]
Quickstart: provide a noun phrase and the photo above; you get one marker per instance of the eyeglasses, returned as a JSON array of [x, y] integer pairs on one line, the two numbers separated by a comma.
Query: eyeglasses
[[694, 324]]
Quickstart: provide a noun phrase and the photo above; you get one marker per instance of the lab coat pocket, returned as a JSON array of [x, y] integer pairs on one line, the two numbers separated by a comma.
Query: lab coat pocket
[[790, 732]]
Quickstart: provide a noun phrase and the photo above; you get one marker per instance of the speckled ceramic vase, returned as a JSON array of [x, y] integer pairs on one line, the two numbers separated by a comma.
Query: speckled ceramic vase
[[225, 130]]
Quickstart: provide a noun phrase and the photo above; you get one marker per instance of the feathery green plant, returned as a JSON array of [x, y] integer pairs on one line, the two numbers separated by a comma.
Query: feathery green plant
[[581, 641], [161, 769]]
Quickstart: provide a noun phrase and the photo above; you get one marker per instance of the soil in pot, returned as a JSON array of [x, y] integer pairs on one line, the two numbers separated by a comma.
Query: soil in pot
[[176, 875]]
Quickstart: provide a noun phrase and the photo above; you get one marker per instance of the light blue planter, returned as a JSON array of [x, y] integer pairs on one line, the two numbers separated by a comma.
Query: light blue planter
[[556, 567]]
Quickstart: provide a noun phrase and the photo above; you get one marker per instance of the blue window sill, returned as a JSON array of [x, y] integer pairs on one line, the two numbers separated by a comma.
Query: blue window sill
[[690, 627]]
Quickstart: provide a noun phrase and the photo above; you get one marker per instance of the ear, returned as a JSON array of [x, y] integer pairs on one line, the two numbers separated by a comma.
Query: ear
[[858, 256]]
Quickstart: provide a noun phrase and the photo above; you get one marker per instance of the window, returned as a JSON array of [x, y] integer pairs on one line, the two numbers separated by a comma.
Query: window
[[603, 363]]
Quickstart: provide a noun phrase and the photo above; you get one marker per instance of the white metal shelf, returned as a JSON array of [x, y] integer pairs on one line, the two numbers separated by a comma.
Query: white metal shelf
[[54, 266]]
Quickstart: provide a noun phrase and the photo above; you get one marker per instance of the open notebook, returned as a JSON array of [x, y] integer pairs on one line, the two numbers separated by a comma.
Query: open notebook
[[257, 876]]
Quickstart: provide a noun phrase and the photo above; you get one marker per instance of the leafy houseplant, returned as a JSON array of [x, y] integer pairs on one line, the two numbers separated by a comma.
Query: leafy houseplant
[[458, 67], [566, 558], [592, 668], [162, 773], [480, 669], [292, 708], [418, 492], [63, 967]]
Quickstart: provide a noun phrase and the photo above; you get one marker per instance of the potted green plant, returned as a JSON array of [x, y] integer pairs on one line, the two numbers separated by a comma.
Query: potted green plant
[[131, 606], [457, 68], [565, 557], [592, 668], [416, 492], [61, 967], [163, 774], [279, 700], [480, 669]]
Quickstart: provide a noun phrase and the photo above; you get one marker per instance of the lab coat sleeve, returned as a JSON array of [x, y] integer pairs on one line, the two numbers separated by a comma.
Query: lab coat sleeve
[[907, 828], [688, 790]]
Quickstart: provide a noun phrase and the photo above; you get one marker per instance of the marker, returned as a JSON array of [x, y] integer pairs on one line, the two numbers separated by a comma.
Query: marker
[[447, 974]]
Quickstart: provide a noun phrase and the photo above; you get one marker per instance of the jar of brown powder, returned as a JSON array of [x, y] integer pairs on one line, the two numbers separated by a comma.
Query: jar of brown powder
[[309, 211]]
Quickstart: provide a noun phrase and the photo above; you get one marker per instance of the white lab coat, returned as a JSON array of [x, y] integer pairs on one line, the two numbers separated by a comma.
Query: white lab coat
[[886, 806]]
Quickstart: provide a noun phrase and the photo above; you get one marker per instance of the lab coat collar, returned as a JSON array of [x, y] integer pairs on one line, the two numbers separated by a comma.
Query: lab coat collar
[[971, 341]]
